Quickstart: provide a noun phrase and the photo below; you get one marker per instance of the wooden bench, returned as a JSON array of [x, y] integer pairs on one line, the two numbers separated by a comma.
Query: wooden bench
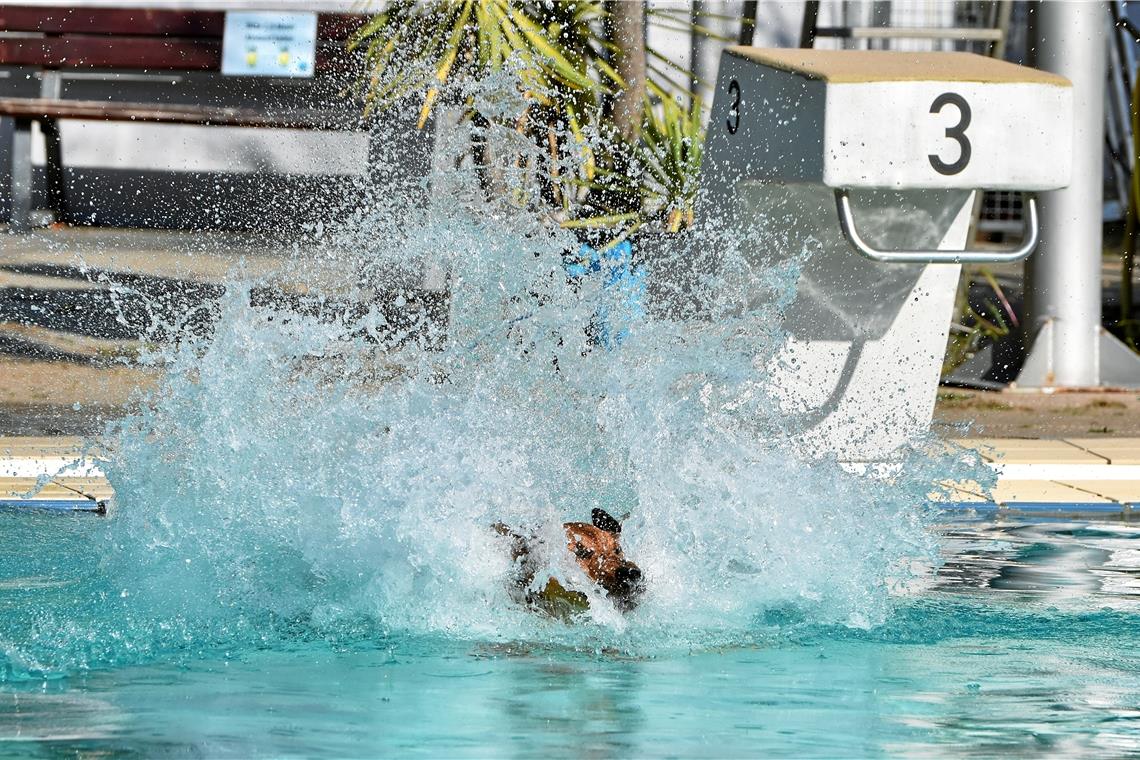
[[51, 44]]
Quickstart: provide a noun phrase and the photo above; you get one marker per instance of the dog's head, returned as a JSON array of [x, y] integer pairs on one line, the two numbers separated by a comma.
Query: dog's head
[[597, 547]]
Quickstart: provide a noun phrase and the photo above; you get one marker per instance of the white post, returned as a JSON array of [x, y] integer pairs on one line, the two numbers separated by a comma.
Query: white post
[[1063, 276]]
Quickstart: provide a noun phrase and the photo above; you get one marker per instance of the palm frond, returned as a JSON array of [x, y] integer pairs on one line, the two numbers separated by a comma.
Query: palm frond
[[558, 45], [666, 158]]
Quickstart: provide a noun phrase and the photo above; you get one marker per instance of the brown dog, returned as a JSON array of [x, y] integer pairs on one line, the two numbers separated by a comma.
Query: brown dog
[[597, 548]]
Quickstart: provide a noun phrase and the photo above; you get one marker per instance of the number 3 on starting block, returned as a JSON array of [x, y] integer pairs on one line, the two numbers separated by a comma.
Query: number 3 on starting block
[[861, 119]]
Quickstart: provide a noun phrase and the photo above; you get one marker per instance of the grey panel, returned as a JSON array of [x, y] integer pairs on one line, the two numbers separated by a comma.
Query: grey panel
[[217, 200], [201, 200]]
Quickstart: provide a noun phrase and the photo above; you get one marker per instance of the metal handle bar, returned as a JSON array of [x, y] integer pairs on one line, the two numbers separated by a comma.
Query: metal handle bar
[[847, 224]]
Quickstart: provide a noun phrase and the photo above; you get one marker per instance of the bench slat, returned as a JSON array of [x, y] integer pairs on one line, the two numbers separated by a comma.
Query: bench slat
[[83, 51], [148, 22], [120, 21], [77, 51], [34, 109]]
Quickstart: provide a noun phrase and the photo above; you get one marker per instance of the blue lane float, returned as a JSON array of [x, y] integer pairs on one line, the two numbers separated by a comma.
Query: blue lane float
[[1041, 508]]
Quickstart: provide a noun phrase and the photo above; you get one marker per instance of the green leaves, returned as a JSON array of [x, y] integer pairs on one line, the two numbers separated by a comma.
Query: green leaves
[[558, 50], [421, 46], [659, 172]]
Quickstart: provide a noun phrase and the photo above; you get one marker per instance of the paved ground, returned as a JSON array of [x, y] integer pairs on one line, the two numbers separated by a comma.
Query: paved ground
[[74, 303], [1034, 415], [48, 397], [52, 397]]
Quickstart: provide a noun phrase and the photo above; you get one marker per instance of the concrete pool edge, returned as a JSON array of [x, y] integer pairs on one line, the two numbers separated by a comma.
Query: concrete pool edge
[[1039, 476]]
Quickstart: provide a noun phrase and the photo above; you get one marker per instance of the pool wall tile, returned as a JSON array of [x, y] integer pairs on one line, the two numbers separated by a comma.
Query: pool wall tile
[[1030, 451], [1121, 491], [1115, 450], [1010, 491]]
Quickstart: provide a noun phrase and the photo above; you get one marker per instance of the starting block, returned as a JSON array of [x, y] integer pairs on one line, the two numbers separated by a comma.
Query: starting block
[[874, 158]]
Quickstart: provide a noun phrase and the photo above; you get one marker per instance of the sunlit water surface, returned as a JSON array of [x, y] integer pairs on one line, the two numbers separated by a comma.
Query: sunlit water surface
[[1024, 643]]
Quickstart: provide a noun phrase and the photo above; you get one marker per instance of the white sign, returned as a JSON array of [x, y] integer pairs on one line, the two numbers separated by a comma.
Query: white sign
[[1011, 136], [269, 44]]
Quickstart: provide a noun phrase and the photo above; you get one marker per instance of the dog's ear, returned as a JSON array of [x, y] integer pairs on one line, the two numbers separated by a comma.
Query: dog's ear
[[603, 520]]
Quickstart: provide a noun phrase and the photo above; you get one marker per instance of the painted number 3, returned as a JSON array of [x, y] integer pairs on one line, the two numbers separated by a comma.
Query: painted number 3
[[956, 133], [733, 122]]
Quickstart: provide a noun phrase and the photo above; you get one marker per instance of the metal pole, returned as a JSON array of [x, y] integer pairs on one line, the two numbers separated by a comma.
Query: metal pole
[[1063, 277], [1002, 14], [696, 49], [811, 21], [748, 22]]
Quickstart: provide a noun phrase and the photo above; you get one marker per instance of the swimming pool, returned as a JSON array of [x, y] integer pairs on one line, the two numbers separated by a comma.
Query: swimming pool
[[1023, 643]]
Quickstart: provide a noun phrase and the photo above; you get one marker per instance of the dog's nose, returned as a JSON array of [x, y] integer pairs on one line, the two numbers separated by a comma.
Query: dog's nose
[[628, 575]]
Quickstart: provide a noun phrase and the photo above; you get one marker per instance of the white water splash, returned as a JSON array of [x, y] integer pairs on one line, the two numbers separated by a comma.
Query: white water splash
[[325, 468]]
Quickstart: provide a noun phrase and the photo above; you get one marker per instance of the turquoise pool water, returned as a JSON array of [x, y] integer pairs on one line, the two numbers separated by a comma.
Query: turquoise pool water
[[300, 563], [1024, 643]]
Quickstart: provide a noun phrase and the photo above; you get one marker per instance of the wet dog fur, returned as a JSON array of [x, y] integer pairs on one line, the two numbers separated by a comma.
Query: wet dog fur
[[596, 546]]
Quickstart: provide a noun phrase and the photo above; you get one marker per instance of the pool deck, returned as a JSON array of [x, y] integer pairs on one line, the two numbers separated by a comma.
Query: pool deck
[[1055, 476]]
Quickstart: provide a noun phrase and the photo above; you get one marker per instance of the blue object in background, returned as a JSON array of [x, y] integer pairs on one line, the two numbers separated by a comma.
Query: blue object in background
[[623, 284]]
